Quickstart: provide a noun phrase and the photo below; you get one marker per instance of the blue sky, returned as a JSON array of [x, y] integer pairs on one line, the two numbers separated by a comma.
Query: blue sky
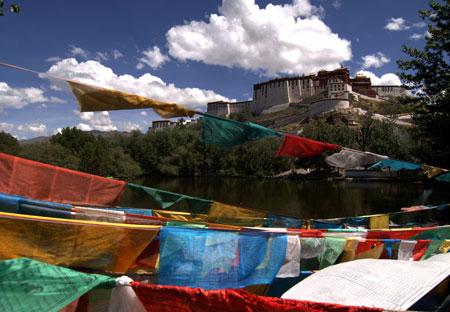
[[187, 52]]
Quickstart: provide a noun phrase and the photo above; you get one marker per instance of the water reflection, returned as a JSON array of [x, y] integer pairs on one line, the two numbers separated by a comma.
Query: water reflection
[[306, 199]]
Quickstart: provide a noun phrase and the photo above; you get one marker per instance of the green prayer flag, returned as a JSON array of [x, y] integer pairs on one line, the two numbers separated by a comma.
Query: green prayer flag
[[444, 177], [442, 233], [29, 285], [185, 224], [226, 133], [331, 251], [431, 249], [167, 199]]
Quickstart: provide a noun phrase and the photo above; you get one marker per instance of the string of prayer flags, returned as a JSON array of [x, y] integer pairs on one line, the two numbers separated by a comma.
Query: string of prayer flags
[[349, 158], [28, 285], [303, 147], [395, 164], [167, 199], [40, 181], [91, 99], [213, 259], [226, 133]]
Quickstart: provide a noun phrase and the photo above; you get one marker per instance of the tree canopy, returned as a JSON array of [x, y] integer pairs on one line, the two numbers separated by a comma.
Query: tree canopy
[[427, 72]]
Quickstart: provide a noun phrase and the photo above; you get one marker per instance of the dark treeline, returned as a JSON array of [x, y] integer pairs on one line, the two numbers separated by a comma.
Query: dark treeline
[[178, 152]]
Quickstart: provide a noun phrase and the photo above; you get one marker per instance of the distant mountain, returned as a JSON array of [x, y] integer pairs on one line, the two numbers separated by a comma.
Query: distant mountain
[[43, 139]]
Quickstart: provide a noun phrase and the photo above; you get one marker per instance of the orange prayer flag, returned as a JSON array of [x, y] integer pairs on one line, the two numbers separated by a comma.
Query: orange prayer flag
[[91, 99]]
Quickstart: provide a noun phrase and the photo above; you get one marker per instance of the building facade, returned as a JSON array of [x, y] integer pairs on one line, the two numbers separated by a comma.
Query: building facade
[[282, 92]]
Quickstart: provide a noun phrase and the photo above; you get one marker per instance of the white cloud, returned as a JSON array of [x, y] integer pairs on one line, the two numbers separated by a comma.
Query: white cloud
[[19, 97], [24, 131], [53, 59], [396, 24], [416, 36], [387, 79], [374, 60], [336, 4], [77, 51], [117, 54], [101, 56], [419, 25], [54, 99], [95, 121], [129, 126], [84, 127], [143, 113], [147, 85], [288, 39], [153, 58]]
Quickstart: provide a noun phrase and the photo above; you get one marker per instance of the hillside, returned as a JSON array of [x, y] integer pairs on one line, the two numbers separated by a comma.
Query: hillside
[[290, 120]]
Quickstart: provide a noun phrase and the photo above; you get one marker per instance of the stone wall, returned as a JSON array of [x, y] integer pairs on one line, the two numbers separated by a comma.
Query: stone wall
[[385, 91]]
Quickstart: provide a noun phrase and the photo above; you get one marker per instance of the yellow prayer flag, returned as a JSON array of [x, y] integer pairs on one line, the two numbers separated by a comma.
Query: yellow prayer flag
[[445, 247], [431, 171], [379, 222], [179, 216], [374, 253], [72, 243], [91, 99], [228, 214], [349, 252]]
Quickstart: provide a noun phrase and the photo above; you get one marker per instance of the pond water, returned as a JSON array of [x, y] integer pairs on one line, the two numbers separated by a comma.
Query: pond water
[[300, 198]]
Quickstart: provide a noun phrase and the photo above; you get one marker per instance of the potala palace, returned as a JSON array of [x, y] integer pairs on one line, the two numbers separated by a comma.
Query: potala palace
[[335, 86]]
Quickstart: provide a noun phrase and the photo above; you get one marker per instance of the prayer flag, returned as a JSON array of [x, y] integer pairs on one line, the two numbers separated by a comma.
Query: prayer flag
[[28, 285], [303, 147], [331, 251], [167, 199], [226, 133], [40, 181], [91, 99], [71, 243], [160, 298], [348, 159], [444, 177], [431, 171], [379, 222], [213, 259], [395, 164], [228, 214]]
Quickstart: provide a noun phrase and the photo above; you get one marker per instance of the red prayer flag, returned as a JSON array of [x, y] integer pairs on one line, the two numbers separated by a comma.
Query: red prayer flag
[[160, 298], [420, 248], [35, 180], [302, 147]]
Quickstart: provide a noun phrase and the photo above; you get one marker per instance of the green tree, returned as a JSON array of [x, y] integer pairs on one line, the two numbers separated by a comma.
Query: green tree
[[243, 116], [12, 7], [91, 150], [8, 144], [52, 154], [427, 71], [122, 166]]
